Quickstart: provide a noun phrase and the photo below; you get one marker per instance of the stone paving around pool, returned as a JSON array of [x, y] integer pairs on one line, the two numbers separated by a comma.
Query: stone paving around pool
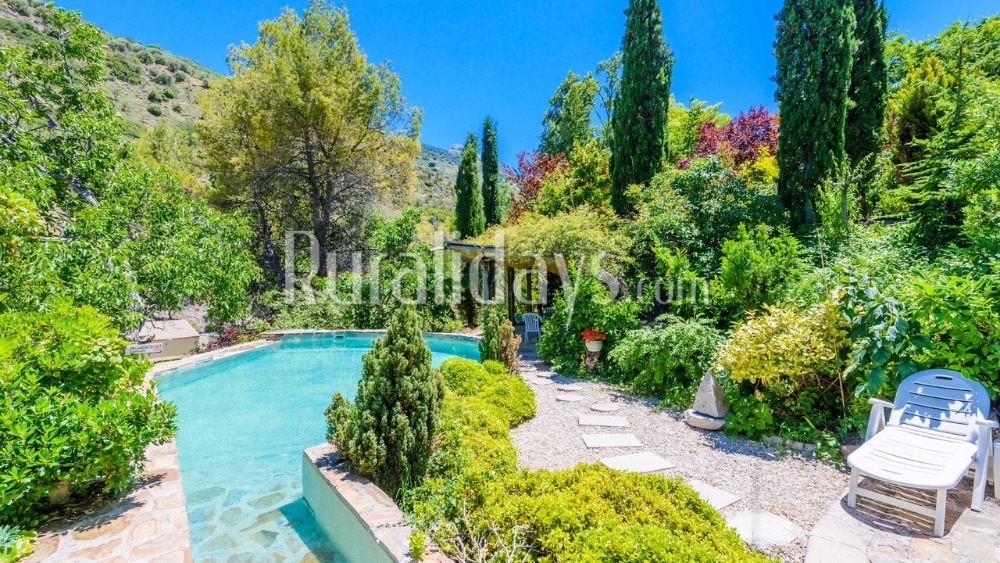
[[149, 523]]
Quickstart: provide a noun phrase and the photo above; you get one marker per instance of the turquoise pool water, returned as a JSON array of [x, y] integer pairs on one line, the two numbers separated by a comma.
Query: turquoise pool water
[[243, 423]]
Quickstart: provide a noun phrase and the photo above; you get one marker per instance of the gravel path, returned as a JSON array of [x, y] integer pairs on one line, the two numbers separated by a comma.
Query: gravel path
[[766, 479]]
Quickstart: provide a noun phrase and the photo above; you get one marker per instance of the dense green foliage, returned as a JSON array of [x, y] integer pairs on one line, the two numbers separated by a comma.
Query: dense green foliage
[[306, 134], [499, 342], [757, 269], [74, 411], [470, 220], [869, 87], [815, 48], [567, 122], [476, 505], [639, 121], [386, 432], [492, 206], [587, 304], [667, 361]]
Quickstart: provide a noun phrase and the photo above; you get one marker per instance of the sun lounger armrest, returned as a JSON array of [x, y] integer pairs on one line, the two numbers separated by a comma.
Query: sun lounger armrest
[[876, 421]]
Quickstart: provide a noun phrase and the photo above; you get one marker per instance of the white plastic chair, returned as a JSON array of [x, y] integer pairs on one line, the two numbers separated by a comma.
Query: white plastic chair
[[532, 325], [938, 429]]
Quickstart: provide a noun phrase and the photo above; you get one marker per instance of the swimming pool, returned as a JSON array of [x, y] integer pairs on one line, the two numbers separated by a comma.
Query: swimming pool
[[243, 423]]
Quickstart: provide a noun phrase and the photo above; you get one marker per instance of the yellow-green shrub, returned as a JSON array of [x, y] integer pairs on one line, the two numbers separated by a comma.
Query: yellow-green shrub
[[593, 513], [474, 499]]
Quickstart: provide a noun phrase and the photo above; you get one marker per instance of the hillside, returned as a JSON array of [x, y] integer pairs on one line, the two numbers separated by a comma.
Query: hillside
[[150, 85]]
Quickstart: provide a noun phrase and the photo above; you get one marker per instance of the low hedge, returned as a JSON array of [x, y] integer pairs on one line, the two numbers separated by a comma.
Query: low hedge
[[477, 506]]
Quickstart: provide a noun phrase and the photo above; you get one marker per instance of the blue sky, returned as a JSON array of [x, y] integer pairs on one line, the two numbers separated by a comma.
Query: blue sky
[[461, 60]]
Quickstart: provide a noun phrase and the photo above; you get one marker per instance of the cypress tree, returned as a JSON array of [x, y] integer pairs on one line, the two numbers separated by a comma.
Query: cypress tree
[[469, 218], [386, 433], [815, 50], [639, 122], [869, 87], [491, 173]]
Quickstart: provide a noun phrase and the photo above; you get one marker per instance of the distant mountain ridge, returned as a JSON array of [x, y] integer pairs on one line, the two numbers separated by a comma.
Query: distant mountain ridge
[[150, 85]]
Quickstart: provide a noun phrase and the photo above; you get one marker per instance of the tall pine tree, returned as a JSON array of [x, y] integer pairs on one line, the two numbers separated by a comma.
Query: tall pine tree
[[469, 218], [639, 122], [815, 50], [491, 173], [869, 88]]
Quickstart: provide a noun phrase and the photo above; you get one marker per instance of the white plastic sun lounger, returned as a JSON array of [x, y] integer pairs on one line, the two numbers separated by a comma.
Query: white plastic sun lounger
[[938, 429]]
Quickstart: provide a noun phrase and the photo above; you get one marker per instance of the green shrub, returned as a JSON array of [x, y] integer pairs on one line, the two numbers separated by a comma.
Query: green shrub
[[163, 79], [474, 501], [669, 361], [757, 268], [73, 409], [722, 201], [591, 513], [125, 69], [386, 433], [154, 97], [960, 316], [511, 399], [499, 342], [561, 344], [177, 108], [154, 110], [791, 360], [15, 544]]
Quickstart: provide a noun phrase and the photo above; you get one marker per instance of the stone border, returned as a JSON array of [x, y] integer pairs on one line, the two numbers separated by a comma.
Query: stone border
[[189, 361], [344, 503], [147, 523]]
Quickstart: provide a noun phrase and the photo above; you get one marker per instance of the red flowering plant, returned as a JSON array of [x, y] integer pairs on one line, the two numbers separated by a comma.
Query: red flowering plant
[[592, 335]]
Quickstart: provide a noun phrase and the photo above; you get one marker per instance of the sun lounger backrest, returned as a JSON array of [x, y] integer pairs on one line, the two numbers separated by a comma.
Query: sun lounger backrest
[[943, 401]]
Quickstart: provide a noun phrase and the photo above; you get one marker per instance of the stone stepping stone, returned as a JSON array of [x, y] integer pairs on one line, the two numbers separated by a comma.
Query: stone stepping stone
[[604, 407], [540, 381], [569, 398], [571, 387], [718, 498], [597, 420], [646, 462], [764, 528], [611, 441]]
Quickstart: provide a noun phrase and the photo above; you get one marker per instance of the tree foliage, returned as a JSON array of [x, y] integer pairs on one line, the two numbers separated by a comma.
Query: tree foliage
[[567, 122], [869, 88], [815, 49], [469, 218], [531, 172], [306, 133], [492, 206], [386, 432], [641, 108]]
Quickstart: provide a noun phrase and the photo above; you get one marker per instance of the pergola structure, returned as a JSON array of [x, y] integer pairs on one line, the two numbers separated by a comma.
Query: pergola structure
[[494, 256]]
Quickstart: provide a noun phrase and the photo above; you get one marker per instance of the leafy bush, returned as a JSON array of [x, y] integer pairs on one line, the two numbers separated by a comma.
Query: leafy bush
[[386, 433], [15, 544], [757, 268], [791, 360], [960, 315], [125, 69], [590, 513], [723, 201], [73, 409], [669, 361], [499, 341], [586, 306], [477, 506], [154, 109], [490, 382], [884, 337]]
